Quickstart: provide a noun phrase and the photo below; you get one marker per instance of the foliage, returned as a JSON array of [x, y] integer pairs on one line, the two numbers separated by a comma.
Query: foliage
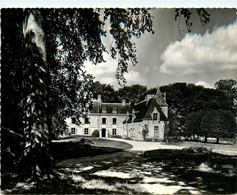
[[225, 84], [193, 123], [95, 133], [145, 131], [107, 92], [11, 88], [185, 98], [186, 13], [212, 123], [219, 124], [229, 87], [133, 93], [124, 24], [116, 136], [49, 83]]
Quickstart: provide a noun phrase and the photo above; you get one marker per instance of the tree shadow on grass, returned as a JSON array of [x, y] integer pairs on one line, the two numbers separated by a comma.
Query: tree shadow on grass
[[207, 171]]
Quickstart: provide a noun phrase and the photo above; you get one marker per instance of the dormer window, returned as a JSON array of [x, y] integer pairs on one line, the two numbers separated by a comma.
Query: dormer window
[[155, 116], [73, 120], [114, 110], [104, 110], [87, 120]]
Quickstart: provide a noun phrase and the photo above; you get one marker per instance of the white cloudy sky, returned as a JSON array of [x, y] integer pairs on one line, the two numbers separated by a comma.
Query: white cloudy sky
[[204, 56]]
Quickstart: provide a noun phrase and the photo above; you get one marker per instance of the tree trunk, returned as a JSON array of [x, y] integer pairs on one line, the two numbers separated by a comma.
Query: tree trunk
[[217, 140], [36, 158], [205, 139]]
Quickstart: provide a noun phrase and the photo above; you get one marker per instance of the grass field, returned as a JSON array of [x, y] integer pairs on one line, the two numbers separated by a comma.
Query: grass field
[[99, 166], [215, 173], [74, 148]]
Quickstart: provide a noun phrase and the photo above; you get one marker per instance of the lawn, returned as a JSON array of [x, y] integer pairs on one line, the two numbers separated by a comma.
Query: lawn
[[100, 166], [223, 148], [81, 147], [212, 172]]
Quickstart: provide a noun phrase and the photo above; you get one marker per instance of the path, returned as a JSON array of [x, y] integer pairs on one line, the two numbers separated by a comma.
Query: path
[[145, 146], [226, 149], [125, 172]]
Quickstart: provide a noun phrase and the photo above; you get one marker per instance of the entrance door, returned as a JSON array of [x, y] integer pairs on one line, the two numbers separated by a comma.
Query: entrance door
[[103, 132]]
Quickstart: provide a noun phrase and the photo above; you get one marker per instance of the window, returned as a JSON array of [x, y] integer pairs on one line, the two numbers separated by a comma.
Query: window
[[154, 116], [87, 120], [73, 120], [156, 131], [114, 110], [103, 120], [86, 131], [114, 121], [73, 131], [113, 131]]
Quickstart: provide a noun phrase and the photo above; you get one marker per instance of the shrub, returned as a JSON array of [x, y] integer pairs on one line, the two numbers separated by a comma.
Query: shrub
[[173, 139], [95, 133], [148, 139], [196, 150], [128, 138], [116, 136], [82, 140]]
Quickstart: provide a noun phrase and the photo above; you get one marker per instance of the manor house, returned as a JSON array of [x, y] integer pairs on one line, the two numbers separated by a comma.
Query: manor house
[[120, 119]]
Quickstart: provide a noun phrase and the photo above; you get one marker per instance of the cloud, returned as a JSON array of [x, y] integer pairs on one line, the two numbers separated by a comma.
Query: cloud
[[212, 52], [133, 77], [204, 84], [104, 72]]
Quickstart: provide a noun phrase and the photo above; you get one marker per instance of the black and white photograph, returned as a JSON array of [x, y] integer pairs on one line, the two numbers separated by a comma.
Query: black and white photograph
[[118, 100]]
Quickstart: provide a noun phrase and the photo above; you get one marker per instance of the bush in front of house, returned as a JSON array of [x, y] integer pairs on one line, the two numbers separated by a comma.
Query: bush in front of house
[[95, 133], [116, 136], [128, 138]]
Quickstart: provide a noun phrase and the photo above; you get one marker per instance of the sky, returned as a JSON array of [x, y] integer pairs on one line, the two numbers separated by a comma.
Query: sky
[[118, 3], [204, 56]]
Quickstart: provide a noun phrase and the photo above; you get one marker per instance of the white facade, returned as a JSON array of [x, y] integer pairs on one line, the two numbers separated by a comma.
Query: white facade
[[118, 119], [107, 118], [152, 113]]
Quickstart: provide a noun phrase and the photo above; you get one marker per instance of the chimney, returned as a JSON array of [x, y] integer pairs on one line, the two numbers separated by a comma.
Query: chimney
[[99, 98], [164, 96], [123, 102]]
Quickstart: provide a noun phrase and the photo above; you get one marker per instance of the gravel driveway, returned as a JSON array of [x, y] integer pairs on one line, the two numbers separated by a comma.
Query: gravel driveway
[[145, 146]]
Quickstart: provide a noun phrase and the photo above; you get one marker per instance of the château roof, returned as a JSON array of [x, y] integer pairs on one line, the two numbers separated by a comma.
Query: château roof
[[143, 110], [118, 108]]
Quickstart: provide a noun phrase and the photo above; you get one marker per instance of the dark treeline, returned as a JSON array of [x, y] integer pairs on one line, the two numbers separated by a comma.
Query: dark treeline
[[194, 111]]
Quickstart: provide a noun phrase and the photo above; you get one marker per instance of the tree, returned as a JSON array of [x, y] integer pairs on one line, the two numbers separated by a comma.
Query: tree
[[55, 83], [193, 125], [145, 131], [133, 93], [218, 124], [225, 85], [107, 92], [56, 44], [186, 14], [11, 88], [185, 98], [229, 87]]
